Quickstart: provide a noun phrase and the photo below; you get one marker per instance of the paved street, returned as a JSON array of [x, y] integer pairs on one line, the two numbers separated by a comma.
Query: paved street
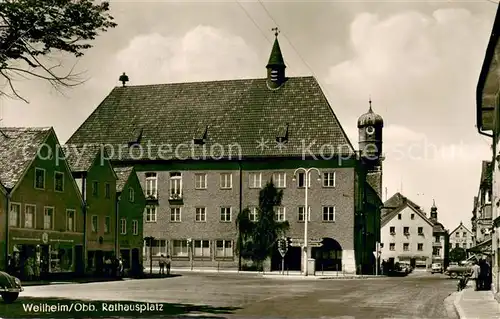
[[419, 295]]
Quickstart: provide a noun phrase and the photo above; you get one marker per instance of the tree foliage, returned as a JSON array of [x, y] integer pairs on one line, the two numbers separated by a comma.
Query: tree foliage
[[31, 30], [457, 254], [257, 239]]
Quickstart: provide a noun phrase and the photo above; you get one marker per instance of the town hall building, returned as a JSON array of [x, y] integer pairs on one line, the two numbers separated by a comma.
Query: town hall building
[[204, 150]]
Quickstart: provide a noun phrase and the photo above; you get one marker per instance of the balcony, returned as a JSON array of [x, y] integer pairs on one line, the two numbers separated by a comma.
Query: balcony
[[152, 199], [176, 199]]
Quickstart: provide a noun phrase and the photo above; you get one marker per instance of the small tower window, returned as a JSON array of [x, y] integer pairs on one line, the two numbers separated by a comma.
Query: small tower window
[[274, 75]]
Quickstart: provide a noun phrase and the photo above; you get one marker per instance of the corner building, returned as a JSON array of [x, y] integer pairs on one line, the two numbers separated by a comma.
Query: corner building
[[203, 150]]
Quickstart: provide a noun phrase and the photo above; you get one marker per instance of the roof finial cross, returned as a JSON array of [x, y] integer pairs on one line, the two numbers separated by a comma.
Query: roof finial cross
[[370, 101], [276, 31]]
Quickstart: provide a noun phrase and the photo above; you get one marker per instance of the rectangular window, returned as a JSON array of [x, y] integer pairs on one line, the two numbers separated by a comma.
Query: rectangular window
[[420, 231], [329, 213], [392, 246], [201, 214], [436, 251], [438, 239], [156, 247], [224, 248], [420, 247], [406, 246], [253, 214], [107, 224], [151, 185], [412, 216], [399, 216], [226, 180], [135, 227], [200, 181], [202, 248], [392, 230], [39, 178], [279, 180], [95, 224], [150, 214], [15, 215], [175, 185], [225, 214], [59, 181], [123, 226], [301, 180], [180, 248], [29, 216], [107, 190], [279, 214], [255, 180], [464, 245], [70, 220], [131, 195], [464, 234], [329, 179], [302, 214], [48, 218], [406, 230], [457, 234], [95, 188], [175, 214]]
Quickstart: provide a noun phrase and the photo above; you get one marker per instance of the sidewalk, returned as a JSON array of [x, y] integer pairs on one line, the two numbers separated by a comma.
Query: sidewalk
[[472, 304]]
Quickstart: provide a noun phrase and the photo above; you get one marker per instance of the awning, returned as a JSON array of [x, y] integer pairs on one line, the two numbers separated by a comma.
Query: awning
[[483, 248]]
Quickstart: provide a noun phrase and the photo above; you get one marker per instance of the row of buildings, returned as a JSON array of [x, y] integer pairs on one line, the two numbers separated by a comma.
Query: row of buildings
[[65, 214]]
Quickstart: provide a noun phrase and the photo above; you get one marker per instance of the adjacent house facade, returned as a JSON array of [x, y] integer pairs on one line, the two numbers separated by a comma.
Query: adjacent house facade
[[461, 237], [41, 205], [482, 221], [407, 234]]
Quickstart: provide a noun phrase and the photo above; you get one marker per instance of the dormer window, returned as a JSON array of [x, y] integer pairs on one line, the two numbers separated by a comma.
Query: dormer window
[[136, 136], [282, 136], [201, 136]]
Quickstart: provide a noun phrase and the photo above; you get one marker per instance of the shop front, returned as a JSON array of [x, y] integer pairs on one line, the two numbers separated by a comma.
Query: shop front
[[37, 254], [131, 255]]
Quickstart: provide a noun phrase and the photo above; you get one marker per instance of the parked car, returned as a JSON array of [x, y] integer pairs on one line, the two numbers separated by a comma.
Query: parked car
[[437, 268], [10, 287], [464, 269], [406, 267]]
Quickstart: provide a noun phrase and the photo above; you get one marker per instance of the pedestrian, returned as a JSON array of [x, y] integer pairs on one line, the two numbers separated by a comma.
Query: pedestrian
[[476, 270], [161, 263], [382, 268], [168, 263], [483, 274], [487, 276]]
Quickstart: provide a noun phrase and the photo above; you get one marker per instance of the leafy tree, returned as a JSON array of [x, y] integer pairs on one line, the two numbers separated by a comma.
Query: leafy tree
[[31, 30], [256, 240], [457, 254]]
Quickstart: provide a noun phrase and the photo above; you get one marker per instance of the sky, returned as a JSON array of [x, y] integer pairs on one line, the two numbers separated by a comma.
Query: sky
[[418, 61]]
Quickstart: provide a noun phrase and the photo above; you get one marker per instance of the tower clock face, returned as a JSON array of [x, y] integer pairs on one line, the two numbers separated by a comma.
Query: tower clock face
[[370, 130]]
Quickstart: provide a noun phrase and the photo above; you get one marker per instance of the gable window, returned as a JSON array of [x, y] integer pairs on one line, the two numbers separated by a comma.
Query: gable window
[[302, 214], [279, 214], [420, 231], [438, 239], [399, 216], [224, 248], [226, 180], [180, 248], [29, 216], [253, 214], [392, 230], [151, 185], [201, 214], [225, 214], [255, 180], [464, 234], [392, 246], [420, 247], [457, 234], [48, 218], [135, 227], [39, 178], [279, 179], [406, 230], [329, 213], [59, 181], [15, 215], [406, 246], [107, 190], [202, 248], [200, 181], [95, 188], [412, 216], [329, 179], [175, 214], [123, 226], [150, 214], [95, 223], [107, 225], [70, 220], [175, 185], [131, 195]]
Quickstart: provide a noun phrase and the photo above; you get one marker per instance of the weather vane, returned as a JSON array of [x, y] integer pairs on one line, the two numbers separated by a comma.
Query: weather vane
[[276, 31]]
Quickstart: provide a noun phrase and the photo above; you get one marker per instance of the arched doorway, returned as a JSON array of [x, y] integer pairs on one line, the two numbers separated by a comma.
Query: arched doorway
[[328, 256]]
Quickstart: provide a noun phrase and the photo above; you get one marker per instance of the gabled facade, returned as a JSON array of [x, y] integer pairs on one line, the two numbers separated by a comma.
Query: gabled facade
[[217, 153], [131, 203], [96, 180], [407, 234], [461, 237], [44, 223]]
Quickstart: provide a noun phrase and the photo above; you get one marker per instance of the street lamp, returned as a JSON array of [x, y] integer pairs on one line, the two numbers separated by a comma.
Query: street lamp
[[306, 208]]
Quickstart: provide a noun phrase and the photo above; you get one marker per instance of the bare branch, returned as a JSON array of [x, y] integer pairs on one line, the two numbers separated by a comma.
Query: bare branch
[[9, 81]]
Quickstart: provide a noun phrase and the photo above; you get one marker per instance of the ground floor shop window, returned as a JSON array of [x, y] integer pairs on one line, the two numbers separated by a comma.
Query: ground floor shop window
[[202, 248], [158, 247], [61, 259], [224, 248], [180, 248]]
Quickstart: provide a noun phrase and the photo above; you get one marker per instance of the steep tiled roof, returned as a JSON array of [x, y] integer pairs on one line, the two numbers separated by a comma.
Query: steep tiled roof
[[80, 158], [438, 228], [486, 174], [389, 216], [231, 112], [123, 174], [395, 201], [461, 225], [18, 148]]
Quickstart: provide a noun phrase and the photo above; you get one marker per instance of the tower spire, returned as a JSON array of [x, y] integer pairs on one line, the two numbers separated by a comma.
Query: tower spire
[[276, 64], [370, 102]]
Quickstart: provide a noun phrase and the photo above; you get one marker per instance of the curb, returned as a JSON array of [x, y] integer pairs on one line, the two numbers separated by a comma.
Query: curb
[[458, 308]]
